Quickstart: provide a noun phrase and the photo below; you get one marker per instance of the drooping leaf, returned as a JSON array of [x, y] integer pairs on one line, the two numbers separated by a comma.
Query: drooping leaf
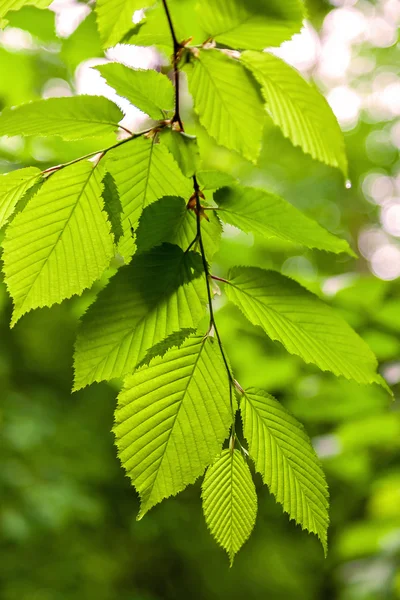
[[284, 456], [174, 340], [60, 243], [13, 187], [298, 109], [159, 293], [73, 118], [253, 24], [256, 211], [146, 89], [114, 18], [307, 327], [183, 148], [172, 418], [144, 171], [229, 501], [8, 5], [227, 101], [213, 180], [169, 220], [112, 206]]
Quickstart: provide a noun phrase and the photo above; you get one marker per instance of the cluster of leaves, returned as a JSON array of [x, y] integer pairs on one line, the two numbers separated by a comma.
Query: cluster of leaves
[[146, 209]]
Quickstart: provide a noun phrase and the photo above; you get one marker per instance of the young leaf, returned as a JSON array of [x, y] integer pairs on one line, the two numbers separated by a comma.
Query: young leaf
[[229, 501], [256, 211], [112, 206], [144, 171], [290, 314], [227, 101], [213, 180], [114, 18], [169, 220], [50, 256], [13, 186], [254, 24], [146, 89], [159, 293], [8, 5], [298, 109], [284, 456], [172, 418], [73, 118], [183, 148]]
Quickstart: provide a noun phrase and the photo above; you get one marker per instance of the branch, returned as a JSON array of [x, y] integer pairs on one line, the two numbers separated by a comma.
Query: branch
[[175, 60]]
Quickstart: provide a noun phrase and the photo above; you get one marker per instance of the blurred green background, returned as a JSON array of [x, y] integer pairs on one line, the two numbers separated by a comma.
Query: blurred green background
[[67, 512]]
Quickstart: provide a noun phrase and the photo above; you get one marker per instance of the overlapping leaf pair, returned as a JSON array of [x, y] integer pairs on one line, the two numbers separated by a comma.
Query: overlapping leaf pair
[[65, 226]]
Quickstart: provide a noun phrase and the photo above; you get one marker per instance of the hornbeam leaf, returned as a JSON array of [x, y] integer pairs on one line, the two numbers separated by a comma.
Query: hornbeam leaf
[[229, 501], [256, 211], [144, 171], [175, 340], [159, 293], [50, 255], [112, 206], [146, 89], [169, 220], [227, 101], [114, 18], [284, 456], [73, 118], [8, 5], [254, 24], [13, 186], [172, 418], [213, 180], [306, 326], [183, 148], [298, 109]]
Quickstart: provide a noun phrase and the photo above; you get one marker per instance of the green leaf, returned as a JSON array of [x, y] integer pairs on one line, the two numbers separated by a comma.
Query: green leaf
[[229, 501], [60, 243], [175, 340], [112, 206], [213, 180], [256, 211], [146, 89], [169, 220], [290, 314], [284, 456], [82, 44], [254, 24], [298, 109], [144, 171], [13, 186], [8, 5], [183, 148], [159, 293], [114, 18], [172, 418], [227, 101], [73, 118]]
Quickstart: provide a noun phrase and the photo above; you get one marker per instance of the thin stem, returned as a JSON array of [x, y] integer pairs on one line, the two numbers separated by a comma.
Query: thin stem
[[175, 60], [102, 153], [221, 279], [126, 130]]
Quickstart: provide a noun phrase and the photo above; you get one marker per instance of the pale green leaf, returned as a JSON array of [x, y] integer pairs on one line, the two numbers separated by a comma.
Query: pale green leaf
[[284, 456], [227, 101], [253, 24], [112, 206], [114, 18], [146, 89], [183, 148], [213, 180], [298, 109], [169, 220], [174, 340], [172, 418], [144, 171], [60, 243], [256, 211], [13, 186], [8, 5], [229, 501], [73, 118], [159, 293], [306, 326]]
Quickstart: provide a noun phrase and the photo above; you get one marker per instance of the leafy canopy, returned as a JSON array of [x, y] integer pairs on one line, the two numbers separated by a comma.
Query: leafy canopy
[[144, 219]]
